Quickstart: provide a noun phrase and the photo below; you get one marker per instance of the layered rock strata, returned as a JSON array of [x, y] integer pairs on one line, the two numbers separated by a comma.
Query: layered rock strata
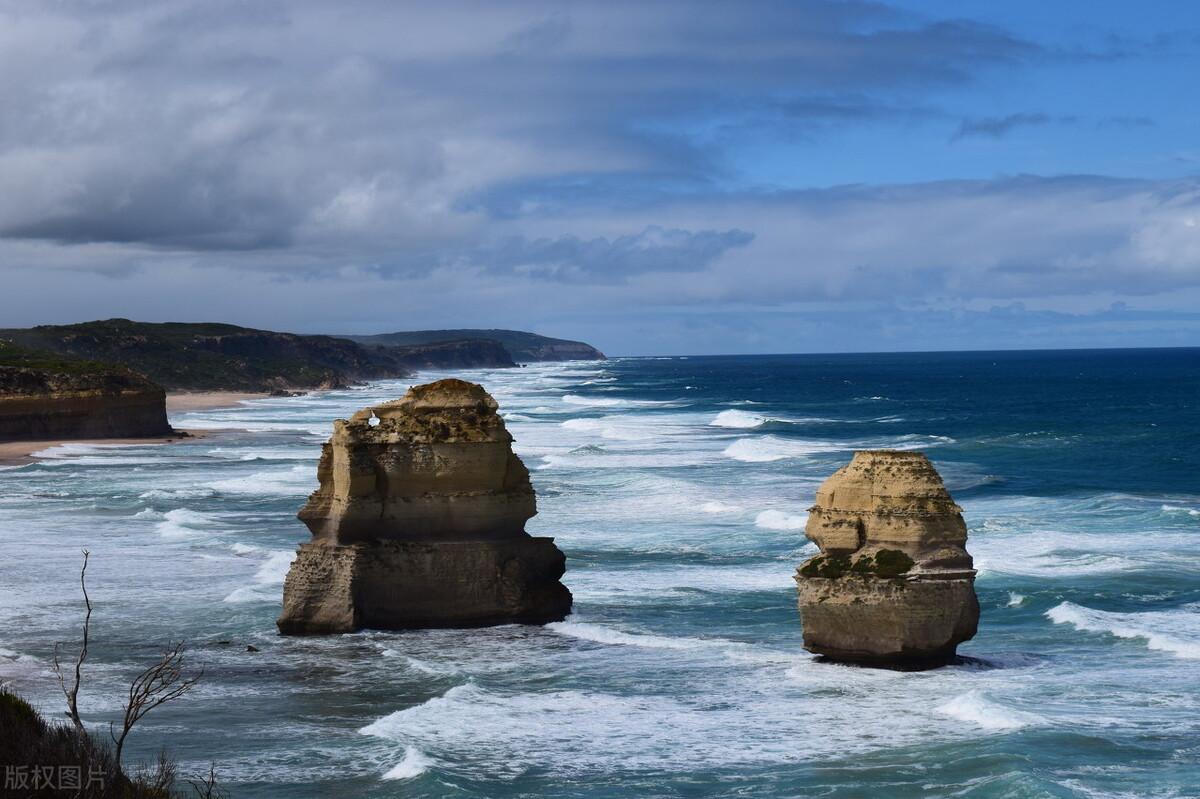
[[69, 400], [419, 521], [893, 584]]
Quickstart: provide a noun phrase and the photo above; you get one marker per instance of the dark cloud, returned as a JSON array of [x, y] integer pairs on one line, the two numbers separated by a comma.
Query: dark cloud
[[999, 127], [216, 125]]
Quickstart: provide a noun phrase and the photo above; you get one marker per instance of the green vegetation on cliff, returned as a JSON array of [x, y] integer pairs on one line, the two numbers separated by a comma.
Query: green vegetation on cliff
[[213, 356], [521, 345]]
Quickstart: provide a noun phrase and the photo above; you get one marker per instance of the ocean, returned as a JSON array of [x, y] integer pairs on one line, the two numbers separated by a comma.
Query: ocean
[[678, 489]]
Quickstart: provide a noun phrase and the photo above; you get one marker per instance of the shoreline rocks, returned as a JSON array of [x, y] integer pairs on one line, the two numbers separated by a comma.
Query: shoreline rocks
[[893, 584], [419, 521]]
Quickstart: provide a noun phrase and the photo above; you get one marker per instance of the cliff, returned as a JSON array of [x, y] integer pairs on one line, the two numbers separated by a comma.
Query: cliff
[[46, 397], [522, 346], [894, 584], [199, 357], [460, 354], [419, 521]]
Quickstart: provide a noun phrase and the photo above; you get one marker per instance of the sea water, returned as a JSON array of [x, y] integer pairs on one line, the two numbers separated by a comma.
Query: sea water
[[678, 489]]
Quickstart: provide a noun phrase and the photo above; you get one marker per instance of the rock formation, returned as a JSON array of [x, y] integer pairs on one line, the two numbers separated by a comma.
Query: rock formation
[[419, 521], [45, 397], [893, 584]]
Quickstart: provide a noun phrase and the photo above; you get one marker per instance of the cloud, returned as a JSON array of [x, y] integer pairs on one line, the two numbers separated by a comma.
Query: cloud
[[999, 127], [216, 126], [570, 259]]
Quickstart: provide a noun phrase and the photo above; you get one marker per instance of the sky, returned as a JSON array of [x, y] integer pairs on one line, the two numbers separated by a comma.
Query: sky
[[653, 177]]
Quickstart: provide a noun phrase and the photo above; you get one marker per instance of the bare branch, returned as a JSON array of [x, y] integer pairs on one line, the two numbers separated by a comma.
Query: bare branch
[[161, 682], [72, 693], [206, 786]]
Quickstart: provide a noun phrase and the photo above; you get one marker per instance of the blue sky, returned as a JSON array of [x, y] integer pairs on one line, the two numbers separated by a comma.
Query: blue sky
[[655, 178]]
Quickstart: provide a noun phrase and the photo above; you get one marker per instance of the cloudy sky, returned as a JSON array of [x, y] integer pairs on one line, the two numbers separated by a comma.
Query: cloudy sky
[[653, 177]]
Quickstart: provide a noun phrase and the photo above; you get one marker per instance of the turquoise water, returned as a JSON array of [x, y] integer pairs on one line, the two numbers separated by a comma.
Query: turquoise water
[[678, 489]]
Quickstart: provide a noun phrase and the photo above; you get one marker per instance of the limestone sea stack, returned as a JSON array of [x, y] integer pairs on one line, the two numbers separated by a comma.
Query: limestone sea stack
[[419, 521], [893, 584]]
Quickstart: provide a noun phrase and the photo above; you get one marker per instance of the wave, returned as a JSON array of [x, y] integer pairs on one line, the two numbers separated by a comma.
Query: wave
[[184, 523], [616, 428], [414, 764], [773, 448], [1015, 600], [177, 493], [270, 575], [608, 635], [1176, 509], [718, 507], [975, 708], [596, 402], [1174, 631], [296, 481], [738, 419], [778, 520]]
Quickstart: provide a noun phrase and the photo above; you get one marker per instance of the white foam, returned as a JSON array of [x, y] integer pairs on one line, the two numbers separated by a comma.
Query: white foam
[[975, 708], [185, 523], [597, 402], [609, 635], [778, 520], [1015, 600], [773, 448], [738, 419], [414, 764], [177, 493], [270, 575], [718, 507], [1177, 509], [1174, 631], [296, 481]]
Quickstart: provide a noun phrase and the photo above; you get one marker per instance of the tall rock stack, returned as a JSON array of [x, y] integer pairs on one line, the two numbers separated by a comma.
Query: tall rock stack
[[419, 521], [893, 584]]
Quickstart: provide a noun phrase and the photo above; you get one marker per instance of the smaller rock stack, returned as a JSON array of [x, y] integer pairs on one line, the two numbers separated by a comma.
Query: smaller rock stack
[[893, 584], [419, 521]]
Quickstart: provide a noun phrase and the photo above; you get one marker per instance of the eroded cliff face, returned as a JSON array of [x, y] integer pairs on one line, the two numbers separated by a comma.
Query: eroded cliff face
[[419, 521], [893, 584], [78, 401]]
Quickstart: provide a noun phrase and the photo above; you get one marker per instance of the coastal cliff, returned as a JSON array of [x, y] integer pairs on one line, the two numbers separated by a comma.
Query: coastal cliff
[[894, 584], [523, 347], [43, 397], [419, 521]]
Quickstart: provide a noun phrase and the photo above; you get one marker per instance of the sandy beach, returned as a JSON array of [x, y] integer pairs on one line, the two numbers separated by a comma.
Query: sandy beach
[[15, 453], [178, 402]]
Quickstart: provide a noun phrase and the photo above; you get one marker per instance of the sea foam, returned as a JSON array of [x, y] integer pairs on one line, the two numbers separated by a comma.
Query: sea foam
[[977, 709], [1174, 631], [778, 520], [738, 419]]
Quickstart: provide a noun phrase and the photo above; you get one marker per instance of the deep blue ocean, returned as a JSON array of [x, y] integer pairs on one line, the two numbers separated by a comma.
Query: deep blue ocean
[[678, 488]]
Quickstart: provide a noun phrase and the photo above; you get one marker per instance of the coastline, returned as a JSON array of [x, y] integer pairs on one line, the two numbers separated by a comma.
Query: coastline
[[19, 453], [182, 401]]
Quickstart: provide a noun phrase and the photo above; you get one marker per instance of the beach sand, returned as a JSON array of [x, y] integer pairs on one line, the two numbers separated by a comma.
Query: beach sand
[[15, 453], [206, 400]]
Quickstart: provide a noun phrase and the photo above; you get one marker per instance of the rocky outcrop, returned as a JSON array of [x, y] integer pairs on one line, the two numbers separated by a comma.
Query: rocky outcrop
[[893, 584], [46, 398], [419, 521]]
